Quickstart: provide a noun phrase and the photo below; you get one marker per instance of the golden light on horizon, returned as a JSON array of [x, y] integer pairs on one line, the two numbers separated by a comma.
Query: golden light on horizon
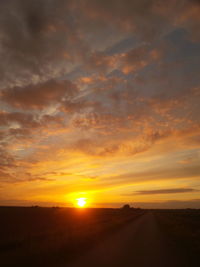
[[81, 202]]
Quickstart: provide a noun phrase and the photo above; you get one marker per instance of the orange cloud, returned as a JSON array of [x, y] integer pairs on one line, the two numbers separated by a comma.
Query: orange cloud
[[39, 96]]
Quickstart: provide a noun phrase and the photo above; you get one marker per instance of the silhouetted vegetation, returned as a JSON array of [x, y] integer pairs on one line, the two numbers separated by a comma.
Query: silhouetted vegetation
[[126, 207]]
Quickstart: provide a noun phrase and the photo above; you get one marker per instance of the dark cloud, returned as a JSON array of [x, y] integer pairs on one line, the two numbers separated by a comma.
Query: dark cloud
[[7, 160], [138, 16], [22, 119], [101, 62], [39, 96], [37, 39], [5, 176], [166, 191], [147, 19], [25, 126], [140, 57], [40, 39]]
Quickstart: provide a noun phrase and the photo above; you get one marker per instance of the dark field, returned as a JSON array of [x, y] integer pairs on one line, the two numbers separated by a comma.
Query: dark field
[[182, 230], [50, 236], [58, 236]]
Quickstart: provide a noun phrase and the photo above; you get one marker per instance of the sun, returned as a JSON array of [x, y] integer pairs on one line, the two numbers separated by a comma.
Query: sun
[[81, 202]]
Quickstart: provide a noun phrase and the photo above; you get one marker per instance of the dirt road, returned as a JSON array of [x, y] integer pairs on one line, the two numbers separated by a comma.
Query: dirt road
[[139, 244]]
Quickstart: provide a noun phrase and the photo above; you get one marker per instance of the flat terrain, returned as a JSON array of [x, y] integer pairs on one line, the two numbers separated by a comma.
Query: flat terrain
[[37, 236], [182, 230], [138, 244], [99, 237], [157, 238]]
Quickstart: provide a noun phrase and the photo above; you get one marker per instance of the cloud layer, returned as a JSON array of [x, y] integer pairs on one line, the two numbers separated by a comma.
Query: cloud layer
[[165, 191], [88, 85]]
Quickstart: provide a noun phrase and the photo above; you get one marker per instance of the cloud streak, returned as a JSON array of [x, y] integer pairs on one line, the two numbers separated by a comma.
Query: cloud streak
[[166, 191]]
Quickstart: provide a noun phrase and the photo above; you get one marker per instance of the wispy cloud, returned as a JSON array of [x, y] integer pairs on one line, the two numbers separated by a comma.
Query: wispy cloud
[[166, 191]]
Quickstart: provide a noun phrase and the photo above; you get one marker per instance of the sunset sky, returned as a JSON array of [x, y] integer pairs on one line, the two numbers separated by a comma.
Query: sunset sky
[[100, 99]]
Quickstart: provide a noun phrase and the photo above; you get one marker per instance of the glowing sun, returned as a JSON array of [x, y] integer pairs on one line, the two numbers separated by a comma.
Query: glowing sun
[[81, 202]]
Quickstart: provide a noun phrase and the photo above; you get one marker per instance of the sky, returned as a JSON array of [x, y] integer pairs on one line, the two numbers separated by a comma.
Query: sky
[[100, 99]]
